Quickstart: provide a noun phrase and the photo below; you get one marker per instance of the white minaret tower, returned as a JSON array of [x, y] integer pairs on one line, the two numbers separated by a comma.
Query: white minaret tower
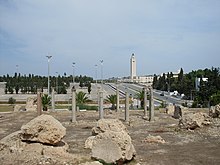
[[133, 66]]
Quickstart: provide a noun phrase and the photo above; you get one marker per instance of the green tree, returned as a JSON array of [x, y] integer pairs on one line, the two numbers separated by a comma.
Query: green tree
[[112, 99], [11, 100], [89, 88], [215, 99], [81, 98], [46, 101], [81, 83], [140, 96]]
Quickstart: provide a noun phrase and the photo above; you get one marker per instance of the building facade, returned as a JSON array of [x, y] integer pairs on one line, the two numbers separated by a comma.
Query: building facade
[[133, 71]]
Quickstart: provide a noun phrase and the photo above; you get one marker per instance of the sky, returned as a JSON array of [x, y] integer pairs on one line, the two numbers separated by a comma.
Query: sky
[[164, 35]]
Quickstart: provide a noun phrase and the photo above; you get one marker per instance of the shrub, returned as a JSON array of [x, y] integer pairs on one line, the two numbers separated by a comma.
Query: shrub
[[46, 101], [11, 100]]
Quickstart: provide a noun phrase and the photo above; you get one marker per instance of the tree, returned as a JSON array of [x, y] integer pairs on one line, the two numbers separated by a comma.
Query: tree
[[80, 83], [46, 101], [112, 99], [89, 88], [140, 96], [81, 98], [215, 99], [11, 100]]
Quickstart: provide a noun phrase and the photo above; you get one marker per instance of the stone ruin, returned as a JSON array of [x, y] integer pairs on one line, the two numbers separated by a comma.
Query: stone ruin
[[111, 142], [38, 140], [31, 104], [215, 111], [198, 119], [194, 120]]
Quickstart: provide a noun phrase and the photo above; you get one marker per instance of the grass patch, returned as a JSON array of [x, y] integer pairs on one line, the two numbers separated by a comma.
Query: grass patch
[[6, 108]]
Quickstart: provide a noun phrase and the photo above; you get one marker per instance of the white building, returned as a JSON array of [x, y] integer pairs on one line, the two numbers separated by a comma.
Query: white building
[[133, 72]]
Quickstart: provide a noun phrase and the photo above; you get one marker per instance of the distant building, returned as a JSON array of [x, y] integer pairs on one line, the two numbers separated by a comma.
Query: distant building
[[133, 78], [133, 70], [175, 74]]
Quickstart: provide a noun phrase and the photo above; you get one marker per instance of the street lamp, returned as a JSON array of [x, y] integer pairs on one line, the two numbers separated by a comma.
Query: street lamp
[[101, 72], [48, 89], [73, 72], [96, 66], [57, 82]]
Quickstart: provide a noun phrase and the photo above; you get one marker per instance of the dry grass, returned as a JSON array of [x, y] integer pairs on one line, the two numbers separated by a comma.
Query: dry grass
[[6, 108]]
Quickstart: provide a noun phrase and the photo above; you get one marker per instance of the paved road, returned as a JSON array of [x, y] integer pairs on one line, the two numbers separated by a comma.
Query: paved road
[[108, 89]]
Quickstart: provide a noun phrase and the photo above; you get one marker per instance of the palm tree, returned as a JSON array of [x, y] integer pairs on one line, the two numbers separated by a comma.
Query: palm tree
[[140, 96], [112, 99], [46, 100], [81, 98]]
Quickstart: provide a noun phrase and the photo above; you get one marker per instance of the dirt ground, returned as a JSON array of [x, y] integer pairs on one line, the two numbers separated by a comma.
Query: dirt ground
[[184, 147]]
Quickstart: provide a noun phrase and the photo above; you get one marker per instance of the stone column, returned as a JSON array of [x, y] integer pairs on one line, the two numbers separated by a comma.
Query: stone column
[[101, 105], [73, 104], [39, 103], [151, 112], [126, 107], [145, 101], [117, 95], [53, 100]]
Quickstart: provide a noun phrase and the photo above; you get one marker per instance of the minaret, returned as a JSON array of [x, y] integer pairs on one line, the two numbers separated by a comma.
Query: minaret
[[133, 66]]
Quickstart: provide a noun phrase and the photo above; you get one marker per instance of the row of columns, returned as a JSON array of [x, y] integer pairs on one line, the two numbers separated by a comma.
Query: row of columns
[[100, 102]]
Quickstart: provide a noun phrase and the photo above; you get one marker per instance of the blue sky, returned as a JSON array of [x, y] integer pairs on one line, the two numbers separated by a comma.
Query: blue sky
[[165, 35]]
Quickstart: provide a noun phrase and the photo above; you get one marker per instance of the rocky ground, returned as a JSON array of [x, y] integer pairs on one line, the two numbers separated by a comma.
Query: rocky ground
[[158, 142]]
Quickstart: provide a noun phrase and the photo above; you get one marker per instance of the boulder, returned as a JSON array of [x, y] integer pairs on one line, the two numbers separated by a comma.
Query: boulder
[[111, 143], [89, 142], [195, 120], [177, 112], [215, 111], [31, 104], [108, 124], [43, 129], [170, 109]]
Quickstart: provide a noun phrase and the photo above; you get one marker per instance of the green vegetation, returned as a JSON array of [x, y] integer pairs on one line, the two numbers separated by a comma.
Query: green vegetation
[[29, 84], [140, 96], [81, 98], [11, 100], [208, 92], [113, 100], [46, 101]]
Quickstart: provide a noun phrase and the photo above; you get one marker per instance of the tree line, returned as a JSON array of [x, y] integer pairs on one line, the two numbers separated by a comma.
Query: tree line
[[207, 93], [31, 83]]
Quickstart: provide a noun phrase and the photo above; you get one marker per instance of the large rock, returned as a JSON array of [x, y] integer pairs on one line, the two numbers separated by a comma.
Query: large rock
[[31, 104], [177, 112], [111, 143], [170, 109], [108, 125], [215, 111], [12, 147], [195, 120], [43, 129]]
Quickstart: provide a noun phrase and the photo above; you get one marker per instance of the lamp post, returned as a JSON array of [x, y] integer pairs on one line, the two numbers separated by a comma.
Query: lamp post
[[96, 66], [73, 72], [57, 82], [48, 89], [101, 72]]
